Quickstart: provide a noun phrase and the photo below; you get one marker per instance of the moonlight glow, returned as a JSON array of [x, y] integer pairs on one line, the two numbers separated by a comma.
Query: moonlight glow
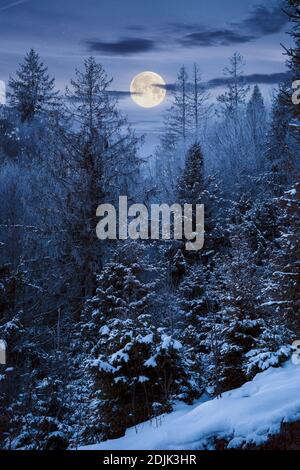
[[147, 89]]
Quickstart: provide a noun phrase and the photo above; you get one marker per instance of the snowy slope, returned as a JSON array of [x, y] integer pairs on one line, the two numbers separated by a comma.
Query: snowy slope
[[245, 415]]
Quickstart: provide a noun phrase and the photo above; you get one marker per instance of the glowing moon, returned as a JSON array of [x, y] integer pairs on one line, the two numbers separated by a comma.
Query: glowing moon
[[148, 89]]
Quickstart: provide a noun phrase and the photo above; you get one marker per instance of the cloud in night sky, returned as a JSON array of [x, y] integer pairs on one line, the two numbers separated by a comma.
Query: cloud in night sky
[[261, 21], [11, 5], [120, 94], [160, 35], [125, 46], [252, 79], [255, 78], [264, 20], [222, 37], [136, 27]]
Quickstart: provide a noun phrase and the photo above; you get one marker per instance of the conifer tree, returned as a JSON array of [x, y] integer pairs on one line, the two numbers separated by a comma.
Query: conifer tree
[[194, 188], [199, 109], [177, 118], [32, 91], [256, 107], [257, 122], [282, 290], [293, 53], [171, 149], [281, 151], [101, 163], [135, 365], [283, 148], [237, 90], [191, 184], [237, 304]]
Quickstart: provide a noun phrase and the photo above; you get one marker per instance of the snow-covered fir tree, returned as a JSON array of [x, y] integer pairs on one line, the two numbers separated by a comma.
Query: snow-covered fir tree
[[135, 364]]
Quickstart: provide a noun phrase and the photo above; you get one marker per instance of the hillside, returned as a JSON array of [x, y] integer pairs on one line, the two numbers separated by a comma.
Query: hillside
[[245, 416]]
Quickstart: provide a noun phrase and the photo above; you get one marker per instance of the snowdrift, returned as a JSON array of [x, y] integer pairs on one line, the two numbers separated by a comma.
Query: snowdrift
[[246, 415]]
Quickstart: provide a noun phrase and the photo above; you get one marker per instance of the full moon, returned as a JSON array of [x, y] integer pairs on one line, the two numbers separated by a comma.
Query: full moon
[[148, 89]]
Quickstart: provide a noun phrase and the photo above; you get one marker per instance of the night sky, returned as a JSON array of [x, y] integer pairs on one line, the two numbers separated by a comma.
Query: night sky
[[129, 36]]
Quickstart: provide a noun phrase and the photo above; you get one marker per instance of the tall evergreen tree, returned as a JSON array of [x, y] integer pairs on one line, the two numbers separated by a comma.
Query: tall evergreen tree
[[32, 91], [237, 90], [293, 54], [136, 367], [283, 149], [177, 119], [282, 289], [191, 183], [194, 188], [280, 152], [199, 109], [100, 164], [257, 122]]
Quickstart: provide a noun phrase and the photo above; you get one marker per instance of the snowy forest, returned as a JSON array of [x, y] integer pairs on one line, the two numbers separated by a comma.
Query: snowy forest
[[104, 335]]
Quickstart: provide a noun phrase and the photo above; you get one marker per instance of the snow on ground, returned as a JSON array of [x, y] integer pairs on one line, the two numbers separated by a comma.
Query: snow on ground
[[242, 416]]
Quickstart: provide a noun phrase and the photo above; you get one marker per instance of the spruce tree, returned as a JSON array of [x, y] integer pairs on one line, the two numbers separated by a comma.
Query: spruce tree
[[281, 151], [191, 184], [238, 309], [237, 90], [100, 164], [257, 123], [282, 290], [134, 364], [172, 147], [177, 119], [32, 91], [199, 109], [193, 187], [293, 53], [256, 107]]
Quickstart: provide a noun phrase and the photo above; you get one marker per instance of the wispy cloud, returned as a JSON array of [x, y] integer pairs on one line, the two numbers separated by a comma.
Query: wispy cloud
[[136, 27], [263, 20], [222, 37], [12, 5], [251, 79], [255, 78], [120, 94], [123, 46]]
